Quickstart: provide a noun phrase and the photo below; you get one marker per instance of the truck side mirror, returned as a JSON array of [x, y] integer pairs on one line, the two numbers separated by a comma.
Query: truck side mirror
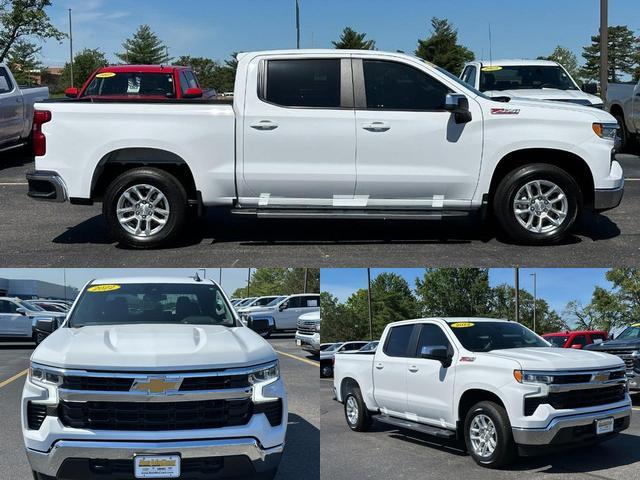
[[576, 346], [283, 306], [439, 353], [21, 310], [193, 93], [46, 325], [458, 104], [590, 88], [71, 92]]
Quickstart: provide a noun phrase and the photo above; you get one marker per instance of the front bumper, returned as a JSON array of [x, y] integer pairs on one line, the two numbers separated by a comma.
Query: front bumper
[[46, 186], [69, 460], [609, 192], [310, 343], [571, 429]]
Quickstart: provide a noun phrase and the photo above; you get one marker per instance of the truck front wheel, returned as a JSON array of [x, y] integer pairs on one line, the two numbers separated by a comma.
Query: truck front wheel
[[145, 208], [487, 435], [537, 204], [355, 411]]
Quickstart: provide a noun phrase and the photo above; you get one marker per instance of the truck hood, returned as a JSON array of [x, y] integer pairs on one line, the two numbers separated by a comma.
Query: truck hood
[[549, 358], [153, 347], [261, 310], [254, 309], [589, 114], [615, 344], [548, 94]]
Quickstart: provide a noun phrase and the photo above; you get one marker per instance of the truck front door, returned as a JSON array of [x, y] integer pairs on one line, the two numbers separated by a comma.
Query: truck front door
[[410, 151], [298, 139], [11, 109]]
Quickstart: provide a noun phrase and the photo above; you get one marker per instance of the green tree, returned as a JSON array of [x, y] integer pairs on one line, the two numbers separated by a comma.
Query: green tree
[[144, 48], [339, 322], [205, 69], [352, 40], [566, 58], [23, 62], [280, 281], [623, 46], [454, 292], [442, 47], [22, 19], [226, 74], [85, 63]]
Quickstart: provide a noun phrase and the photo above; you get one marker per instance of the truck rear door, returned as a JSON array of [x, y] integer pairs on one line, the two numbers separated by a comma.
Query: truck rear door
[[11, 108], [299, 144]]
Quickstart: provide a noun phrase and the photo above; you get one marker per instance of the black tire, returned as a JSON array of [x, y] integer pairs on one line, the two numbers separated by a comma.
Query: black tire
[[38, 338], [168, 185], [326, 370], [363, 420], [505, 450], [625, 137], [503, 202], [267, 333]]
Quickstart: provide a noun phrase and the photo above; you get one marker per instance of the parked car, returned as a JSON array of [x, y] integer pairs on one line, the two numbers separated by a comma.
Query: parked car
[[370, 347], [282, 316], [308, 333], [577, 339], [626, 346], [298, 141], [493, 383], [16, 110], [49, 306], [327, 355], [243, 302], [141, 82], [18, 319], [324, 346], [623, 102], [151, 377], [532, 79], [259, 303]]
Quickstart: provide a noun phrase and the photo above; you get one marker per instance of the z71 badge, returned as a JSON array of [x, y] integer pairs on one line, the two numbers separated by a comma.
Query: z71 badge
[[505, 111]]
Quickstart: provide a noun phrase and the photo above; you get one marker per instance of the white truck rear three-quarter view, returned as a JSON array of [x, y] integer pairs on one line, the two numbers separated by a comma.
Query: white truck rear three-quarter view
[[492, 383]]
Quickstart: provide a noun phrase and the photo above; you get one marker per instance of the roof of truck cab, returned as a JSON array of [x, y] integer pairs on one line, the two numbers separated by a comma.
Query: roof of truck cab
[[327, 51], [518, 62], [141, 68], [131, 280], [450, 320]]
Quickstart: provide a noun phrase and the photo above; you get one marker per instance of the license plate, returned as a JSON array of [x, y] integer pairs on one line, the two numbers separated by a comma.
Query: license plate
[[604, 425], [298, 342], [156, 466]]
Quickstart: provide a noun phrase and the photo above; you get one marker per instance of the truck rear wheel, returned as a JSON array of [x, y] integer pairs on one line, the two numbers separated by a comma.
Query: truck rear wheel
[[145, 208], [356, 412], [488, 436], [537, 204]]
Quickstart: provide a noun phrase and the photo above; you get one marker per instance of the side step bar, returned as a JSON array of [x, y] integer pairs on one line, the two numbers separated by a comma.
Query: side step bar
[[416, 427], [12, 147], [351, 214]]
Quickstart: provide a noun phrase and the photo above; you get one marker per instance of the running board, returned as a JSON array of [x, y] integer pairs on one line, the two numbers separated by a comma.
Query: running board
[[351, 214], [13, 147], [417, 427]]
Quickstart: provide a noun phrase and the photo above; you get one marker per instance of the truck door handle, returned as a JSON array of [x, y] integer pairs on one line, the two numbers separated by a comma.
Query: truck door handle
[[377, 127], [264, 125], [413, 369], [379, 366]]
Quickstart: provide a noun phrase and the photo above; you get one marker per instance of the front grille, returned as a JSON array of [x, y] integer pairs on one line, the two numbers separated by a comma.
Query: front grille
[[190, 384], [273, 411], [115, 384], [576, 398], [103, 384], [625, 355], [308, 328], [143, 416], [36, 414]]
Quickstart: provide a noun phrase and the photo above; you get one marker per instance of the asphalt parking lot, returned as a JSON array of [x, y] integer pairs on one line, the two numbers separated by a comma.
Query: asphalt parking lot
[[36, 234], [385, 452], [300, 373]]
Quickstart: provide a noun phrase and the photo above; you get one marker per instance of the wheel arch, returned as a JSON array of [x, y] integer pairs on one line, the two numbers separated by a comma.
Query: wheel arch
[[469, 398], [346, 384]]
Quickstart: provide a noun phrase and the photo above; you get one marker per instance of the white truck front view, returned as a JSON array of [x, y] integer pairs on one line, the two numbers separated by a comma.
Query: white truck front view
[[494, 384], [153, 378], [311, 134]]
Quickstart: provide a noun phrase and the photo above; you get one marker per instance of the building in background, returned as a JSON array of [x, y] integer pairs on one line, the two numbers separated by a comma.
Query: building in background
[[27, 289]]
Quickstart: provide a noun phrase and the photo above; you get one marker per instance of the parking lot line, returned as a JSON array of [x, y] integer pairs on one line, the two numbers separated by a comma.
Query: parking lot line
[[9, 184], [15, 377], [310, 362]]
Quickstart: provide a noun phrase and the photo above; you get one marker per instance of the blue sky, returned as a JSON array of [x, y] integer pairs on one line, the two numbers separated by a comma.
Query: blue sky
[[557, 286], [215, 28]]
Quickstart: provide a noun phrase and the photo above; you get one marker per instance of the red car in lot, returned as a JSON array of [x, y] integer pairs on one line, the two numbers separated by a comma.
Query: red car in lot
[[577, 339], [136, 82]]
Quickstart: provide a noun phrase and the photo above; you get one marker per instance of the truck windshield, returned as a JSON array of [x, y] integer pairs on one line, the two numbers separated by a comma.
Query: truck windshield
[[131, 84], [152, 303], [333, 347], [520, 77], [630, 332], [487, 336]]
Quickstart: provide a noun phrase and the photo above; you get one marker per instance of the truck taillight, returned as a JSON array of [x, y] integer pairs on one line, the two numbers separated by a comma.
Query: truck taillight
[[39, 141]]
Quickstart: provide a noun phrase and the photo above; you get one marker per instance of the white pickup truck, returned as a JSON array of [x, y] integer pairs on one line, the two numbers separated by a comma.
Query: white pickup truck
[[281, 314], [153, 378], [623, 102], [493, 383], [330, 133]]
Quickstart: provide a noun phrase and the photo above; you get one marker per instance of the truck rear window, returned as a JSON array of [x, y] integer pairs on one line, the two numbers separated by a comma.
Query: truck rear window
[[304, 83], [487, 336], [133, 84]]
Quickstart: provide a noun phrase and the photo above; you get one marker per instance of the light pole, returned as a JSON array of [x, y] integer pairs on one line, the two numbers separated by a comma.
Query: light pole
[[517, 286], [306, 272], [71, 50], [604, 49], [369, 300], [535, 297], [248, 281], [298, 24]]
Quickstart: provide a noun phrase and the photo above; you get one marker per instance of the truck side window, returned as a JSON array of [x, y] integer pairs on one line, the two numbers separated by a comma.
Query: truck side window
[[397, 344], [311, 301], [431, 336], [469, 75], [295, 302], [396, 86], [304, 83], [579, 340], [4, 306], [5, 81]]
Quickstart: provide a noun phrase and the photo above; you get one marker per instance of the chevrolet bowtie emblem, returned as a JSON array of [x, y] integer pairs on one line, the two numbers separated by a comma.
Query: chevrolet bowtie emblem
[[156, 385], [601, 377]]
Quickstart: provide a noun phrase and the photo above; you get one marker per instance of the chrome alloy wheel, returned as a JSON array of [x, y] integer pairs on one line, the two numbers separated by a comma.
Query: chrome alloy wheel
[[484, 438], [352, 410], [541, 206], [143, 210]]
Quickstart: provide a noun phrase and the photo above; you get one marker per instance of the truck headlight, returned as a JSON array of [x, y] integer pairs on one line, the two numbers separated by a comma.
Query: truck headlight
[[608, 131], [527, 377], [44, 376], [271, 372]]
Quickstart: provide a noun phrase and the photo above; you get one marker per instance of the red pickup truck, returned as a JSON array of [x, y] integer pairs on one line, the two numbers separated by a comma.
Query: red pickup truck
[[577, 339], [148, 82]]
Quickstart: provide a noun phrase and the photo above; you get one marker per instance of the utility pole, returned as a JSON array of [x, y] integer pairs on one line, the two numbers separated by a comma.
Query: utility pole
[[248, 281], [535, 298], [604, 49], [71, 49], [306, 271], [517, 284], [298, 24], [369, 300], [220, 279], [64, 273]]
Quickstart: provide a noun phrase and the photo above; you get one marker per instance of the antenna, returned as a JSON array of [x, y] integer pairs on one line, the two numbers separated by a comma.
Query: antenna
[[490, 47]]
